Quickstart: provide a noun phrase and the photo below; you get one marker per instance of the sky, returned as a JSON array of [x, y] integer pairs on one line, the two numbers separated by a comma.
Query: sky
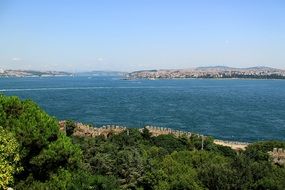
[[128, 35]]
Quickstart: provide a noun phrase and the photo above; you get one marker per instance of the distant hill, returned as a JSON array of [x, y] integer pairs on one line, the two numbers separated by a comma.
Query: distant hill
[[225, 68], [211, 72], [102, 73], [31, 73], [214, 67]]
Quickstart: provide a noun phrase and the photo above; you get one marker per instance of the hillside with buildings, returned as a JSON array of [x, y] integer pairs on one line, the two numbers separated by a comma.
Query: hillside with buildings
[[211, 72], [31, 73]]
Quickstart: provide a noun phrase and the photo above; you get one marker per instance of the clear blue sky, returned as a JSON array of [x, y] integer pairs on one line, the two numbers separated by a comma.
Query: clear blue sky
[[141, 34]]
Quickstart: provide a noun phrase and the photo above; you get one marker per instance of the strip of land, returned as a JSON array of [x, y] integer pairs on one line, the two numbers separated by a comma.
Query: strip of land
[[235, 145], [210, 72], [31, 73]]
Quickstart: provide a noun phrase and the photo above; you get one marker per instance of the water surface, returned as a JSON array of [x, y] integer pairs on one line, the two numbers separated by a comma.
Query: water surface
[[246, 110]]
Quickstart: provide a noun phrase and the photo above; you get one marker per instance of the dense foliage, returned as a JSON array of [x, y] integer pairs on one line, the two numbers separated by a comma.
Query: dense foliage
[[9, 150], [36, 155], [138, 161], [45, 152]]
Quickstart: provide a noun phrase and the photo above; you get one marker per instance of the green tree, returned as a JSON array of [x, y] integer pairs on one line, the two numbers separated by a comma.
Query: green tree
[[69, 127], [9, 158], [170, 142], [213, 170], [146, 134], [176, 172], [43, 148]]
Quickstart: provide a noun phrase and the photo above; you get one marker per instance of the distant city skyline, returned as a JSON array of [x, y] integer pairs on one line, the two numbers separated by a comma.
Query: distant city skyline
[[126, 35]]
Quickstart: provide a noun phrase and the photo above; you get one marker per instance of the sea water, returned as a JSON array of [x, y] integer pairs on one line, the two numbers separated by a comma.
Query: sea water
[[244, 110]]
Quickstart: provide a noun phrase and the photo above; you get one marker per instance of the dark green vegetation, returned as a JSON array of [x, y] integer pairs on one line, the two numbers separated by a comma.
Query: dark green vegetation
[[39, 156]]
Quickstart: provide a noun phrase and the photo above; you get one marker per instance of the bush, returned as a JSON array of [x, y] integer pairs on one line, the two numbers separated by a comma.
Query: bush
[[69, 127]]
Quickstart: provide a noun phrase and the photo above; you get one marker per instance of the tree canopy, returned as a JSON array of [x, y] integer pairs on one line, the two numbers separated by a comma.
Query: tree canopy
[[35, 154]]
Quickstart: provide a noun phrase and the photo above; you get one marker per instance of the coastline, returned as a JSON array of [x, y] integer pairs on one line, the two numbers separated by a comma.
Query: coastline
[[235, 145], [203, 79]]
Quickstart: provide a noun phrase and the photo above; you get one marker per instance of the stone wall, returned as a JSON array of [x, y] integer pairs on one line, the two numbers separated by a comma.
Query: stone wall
[[156, 131], [278, 155], [90, 131], [106, 130]]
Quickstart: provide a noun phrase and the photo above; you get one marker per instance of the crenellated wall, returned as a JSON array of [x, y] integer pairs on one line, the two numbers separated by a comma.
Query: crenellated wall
[[278, 155], [106, 130], [90, 131], [156, 131]]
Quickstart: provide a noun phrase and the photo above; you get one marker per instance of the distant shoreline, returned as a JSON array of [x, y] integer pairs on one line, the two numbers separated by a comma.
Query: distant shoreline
[[33, 76], [218, 72], [146, 79], [205, 79], [235, 145]]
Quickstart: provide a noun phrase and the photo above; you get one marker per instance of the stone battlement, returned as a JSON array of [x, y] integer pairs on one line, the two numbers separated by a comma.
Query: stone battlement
[[90, 131], [278, 155], [156, 131], [106, 130]]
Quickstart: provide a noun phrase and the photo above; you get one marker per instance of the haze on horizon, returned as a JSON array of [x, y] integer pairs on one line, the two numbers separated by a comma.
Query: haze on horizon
[[131, 35]]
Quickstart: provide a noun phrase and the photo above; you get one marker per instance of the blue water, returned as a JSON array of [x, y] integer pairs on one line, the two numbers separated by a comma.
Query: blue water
[[246, 110]]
